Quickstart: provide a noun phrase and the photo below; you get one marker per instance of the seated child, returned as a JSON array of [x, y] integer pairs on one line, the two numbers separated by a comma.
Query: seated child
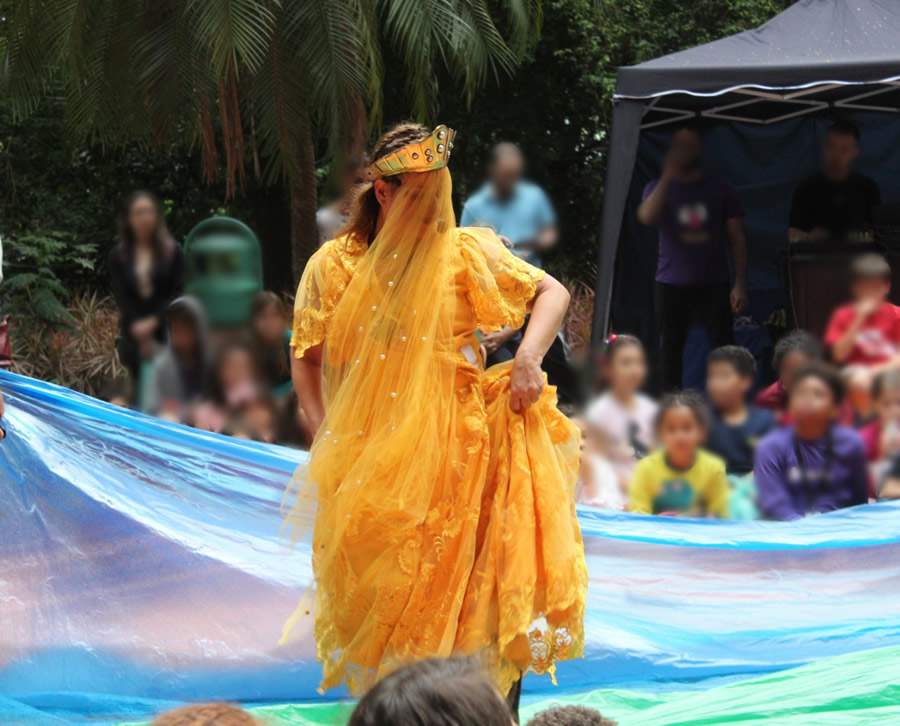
[[735, 427], [180, 371], [881, 437], [866, 331], [815, 464], [794, 351], [680, 478], [622, 415], [234, 384], [271, 342], [598, 483]]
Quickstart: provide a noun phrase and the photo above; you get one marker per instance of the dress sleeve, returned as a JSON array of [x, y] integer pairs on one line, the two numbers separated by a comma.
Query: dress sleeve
[[323, 282], [500, 285]]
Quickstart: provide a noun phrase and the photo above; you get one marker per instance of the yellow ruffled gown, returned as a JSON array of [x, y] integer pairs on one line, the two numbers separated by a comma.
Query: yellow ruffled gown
[[445, 522]]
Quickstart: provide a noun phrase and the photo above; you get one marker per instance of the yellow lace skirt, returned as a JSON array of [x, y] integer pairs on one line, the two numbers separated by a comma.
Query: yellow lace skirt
[[495, 568]]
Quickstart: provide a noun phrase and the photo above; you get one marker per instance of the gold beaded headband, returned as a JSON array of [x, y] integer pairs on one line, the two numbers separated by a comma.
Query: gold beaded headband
[[426, 155]]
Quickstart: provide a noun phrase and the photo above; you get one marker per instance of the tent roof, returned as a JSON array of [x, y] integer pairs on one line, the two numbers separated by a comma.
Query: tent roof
[[813, 41]]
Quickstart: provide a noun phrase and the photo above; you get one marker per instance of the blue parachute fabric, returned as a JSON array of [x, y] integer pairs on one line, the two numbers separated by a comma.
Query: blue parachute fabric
[[142, 565]]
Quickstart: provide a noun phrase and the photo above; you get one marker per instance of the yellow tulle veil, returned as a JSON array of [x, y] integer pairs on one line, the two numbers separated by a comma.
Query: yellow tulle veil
[[388, 363]]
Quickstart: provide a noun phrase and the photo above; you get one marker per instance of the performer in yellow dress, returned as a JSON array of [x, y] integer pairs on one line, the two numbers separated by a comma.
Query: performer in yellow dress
[[445, 519]]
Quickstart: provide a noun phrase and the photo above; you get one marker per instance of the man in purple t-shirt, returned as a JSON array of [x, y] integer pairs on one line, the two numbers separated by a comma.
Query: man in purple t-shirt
[[699, 217]]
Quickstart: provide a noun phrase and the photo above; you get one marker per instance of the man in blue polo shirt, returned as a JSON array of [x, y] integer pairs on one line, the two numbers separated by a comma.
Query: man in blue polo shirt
[[520, 212], [514, 208]]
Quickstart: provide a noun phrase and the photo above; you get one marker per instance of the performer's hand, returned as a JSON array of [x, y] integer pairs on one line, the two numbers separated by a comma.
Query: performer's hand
[[526, 381]]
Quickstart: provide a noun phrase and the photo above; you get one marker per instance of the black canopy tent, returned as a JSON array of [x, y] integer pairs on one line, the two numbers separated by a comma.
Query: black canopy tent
[[817, 56]]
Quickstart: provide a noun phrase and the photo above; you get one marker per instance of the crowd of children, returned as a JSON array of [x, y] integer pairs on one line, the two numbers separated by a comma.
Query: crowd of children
[[236, 383], [824, 436]]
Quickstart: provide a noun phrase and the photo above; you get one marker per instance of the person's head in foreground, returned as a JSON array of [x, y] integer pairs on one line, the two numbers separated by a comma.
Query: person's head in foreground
[[681, 426], [206, 714], [816, 394], [730, 372], [686, 149], [870, 278], [794, 351], [840, 150], [571, 716], [437, 692], [506, 168], [624, 365]]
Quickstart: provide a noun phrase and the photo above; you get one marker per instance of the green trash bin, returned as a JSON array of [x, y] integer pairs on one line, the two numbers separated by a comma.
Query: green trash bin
[[223, 265]]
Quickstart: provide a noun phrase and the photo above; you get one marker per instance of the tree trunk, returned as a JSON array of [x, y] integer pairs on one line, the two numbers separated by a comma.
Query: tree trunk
[[304, 232]]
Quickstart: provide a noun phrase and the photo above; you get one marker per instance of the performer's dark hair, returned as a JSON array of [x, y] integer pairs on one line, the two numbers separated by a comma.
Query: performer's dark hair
[[365, 208], [825, 373], [690, 400], [739, 358], [433, 692], [571, 716]]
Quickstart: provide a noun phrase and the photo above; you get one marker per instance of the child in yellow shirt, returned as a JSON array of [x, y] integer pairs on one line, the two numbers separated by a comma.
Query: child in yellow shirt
[[680, 478]]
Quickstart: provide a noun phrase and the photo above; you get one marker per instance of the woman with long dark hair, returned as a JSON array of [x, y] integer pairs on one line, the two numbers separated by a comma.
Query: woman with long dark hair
[[146, 270]]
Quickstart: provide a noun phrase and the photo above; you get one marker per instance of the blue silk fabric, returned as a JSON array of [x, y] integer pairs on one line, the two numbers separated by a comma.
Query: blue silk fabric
[[143, 564]]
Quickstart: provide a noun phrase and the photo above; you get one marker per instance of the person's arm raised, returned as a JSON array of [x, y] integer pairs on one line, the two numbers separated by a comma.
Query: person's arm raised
[[651, 209], [306, 374], [548, 309]]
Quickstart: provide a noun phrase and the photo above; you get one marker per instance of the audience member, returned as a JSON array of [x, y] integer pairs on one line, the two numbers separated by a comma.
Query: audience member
[[735, 427], [889, 486], [881, 437], [146, 274], [698, 216], [118, 392], [815, 464], [835, 203], [259, 418], [599, 485], [235, 383], [570, 716], [520, 212], [794, 351], [272, 342], [866, 331], [206, 714], [437, 692], [180, 371], [515, 209], [622, 416], [680, 478]]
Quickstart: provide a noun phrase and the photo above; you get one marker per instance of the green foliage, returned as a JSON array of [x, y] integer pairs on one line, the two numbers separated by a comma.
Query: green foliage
[[38, 263]]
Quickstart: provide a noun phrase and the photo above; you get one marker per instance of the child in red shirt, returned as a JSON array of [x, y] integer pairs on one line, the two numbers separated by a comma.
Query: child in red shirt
[[866, 331]]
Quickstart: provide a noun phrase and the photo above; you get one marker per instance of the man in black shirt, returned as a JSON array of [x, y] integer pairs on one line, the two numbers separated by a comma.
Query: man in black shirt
[[836, 202]]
